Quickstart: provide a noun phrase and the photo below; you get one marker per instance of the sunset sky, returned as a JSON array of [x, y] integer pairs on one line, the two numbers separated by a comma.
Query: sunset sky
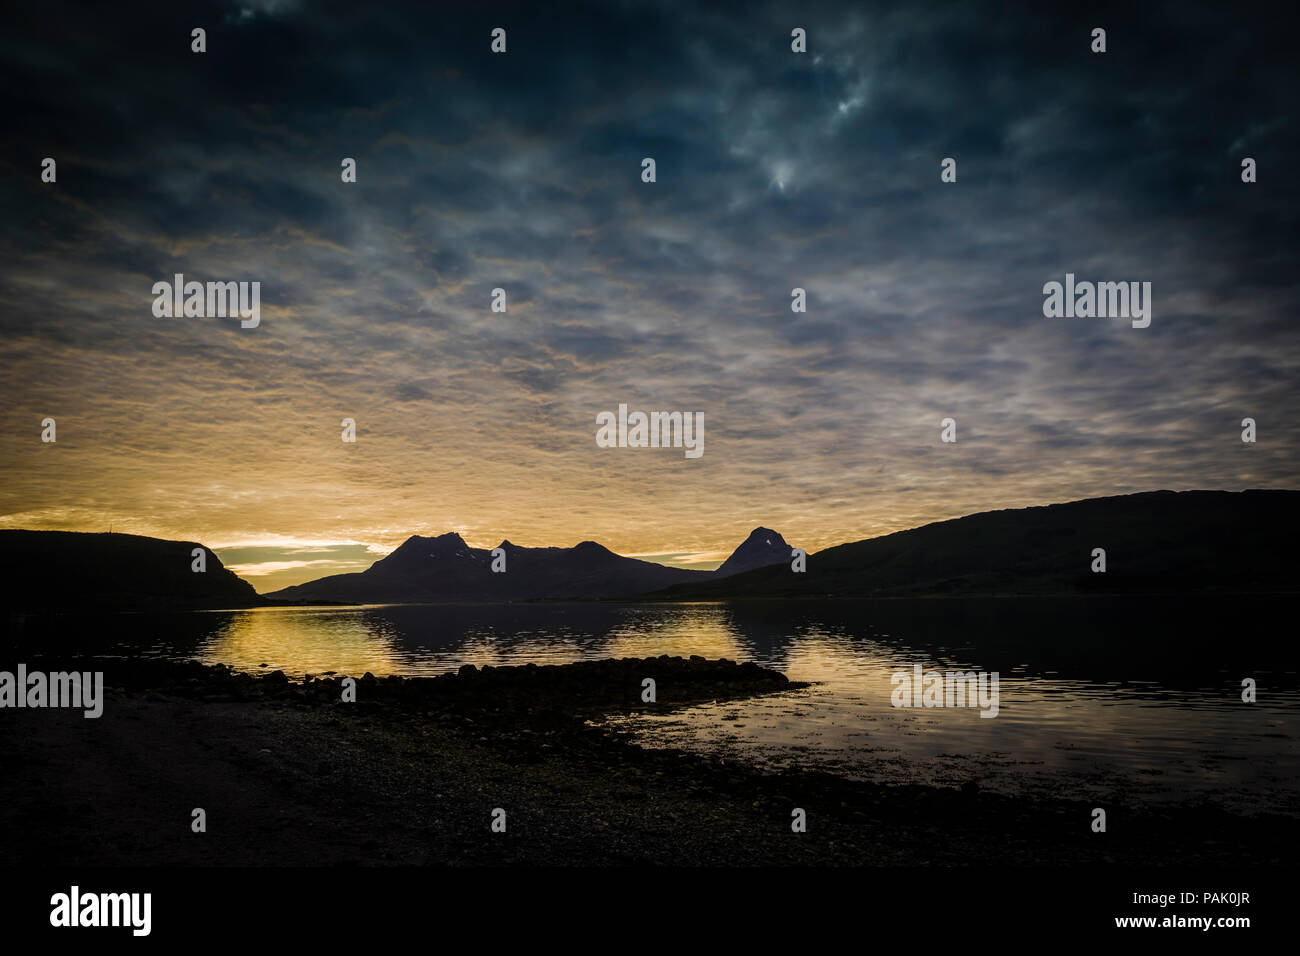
[[775, 170]]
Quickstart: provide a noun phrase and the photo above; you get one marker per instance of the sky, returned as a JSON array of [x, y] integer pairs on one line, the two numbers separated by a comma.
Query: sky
[[522, 170]]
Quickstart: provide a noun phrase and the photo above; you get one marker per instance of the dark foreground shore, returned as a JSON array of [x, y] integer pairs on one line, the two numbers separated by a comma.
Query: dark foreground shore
[[412, 771]]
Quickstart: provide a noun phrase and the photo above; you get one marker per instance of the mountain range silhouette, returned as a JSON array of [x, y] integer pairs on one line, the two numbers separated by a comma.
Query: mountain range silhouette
[[1160, 541], [445, 568]]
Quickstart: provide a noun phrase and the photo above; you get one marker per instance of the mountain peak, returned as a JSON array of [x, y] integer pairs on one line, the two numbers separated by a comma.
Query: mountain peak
[[418, 550], [763, 547], [447, 545], [420, 540]]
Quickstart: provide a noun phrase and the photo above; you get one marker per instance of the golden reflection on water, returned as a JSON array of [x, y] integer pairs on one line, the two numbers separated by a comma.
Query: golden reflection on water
[[355, 640], [1097, 734], [303, 641], [703, 629]]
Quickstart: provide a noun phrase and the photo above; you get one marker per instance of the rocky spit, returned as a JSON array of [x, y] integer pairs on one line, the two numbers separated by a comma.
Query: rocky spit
[[288, 773]]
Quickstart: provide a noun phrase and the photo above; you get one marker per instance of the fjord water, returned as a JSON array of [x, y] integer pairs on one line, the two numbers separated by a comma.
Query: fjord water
[[1114, 698]]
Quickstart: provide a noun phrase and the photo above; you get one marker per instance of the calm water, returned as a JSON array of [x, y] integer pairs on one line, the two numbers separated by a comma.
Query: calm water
[[1114, 698]]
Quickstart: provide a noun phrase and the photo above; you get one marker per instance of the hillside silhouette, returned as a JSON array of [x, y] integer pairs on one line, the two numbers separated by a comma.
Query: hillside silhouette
[[1155, 542], [72, 570]]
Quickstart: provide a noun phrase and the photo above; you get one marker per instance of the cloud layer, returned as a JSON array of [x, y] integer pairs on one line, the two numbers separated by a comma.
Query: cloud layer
[[522, 171]]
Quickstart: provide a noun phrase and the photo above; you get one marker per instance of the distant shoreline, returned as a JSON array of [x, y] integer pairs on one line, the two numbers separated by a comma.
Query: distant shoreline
[[745, 599]]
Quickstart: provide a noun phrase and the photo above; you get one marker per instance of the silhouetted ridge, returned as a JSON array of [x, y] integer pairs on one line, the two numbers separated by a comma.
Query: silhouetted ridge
[[1160, 541], [445, 569], [763, 547], [71, 570]]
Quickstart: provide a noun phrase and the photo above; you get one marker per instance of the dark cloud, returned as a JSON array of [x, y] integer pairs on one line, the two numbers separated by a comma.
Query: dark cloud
[[523, 171]]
